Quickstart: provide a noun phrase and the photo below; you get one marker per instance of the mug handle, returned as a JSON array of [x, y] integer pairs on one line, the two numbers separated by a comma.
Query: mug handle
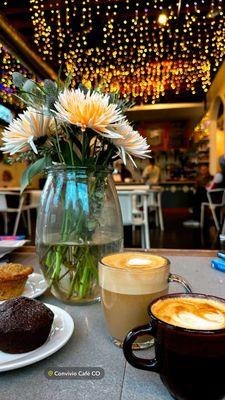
[[140, 363], [182, 281]]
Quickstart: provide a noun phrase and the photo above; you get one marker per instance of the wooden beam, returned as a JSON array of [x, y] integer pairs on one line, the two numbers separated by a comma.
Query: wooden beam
[[17, 46], [22, 24]]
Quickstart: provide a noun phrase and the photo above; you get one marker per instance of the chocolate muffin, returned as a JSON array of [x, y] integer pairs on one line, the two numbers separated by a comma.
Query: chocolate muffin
[[25, 325]]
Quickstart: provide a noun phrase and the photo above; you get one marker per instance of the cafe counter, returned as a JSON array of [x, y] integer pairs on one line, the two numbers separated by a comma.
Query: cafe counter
[[177, 194], [90, 346]]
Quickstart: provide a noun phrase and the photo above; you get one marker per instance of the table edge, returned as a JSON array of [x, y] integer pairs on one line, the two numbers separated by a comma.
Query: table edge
[[169, 252]]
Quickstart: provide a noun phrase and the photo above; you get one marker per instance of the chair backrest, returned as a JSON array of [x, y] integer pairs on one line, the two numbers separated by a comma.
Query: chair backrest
[[126, 205], [223, 198], [152, 199], [131, 203], [10, 201], [216, 196], [3, 202]]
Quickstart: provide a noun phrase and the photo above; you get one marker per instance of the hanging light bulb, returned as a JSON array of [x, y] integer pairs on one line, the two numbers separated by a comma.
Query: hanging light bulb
[[162, 19]]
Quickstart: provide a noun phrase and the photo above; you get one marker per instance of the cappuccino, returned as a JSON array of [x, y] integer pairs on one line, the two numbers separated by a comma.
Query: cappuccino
[[191, 312], [191, 362], [129, 282]]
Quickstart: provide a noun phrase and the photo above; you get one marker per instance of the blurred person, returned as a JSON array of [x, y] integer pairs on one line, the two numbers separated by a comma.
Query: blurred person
[[218, 181], [222, 164], [203, 181], [125, 174], [203, 177], [121, 173], [151, 173]]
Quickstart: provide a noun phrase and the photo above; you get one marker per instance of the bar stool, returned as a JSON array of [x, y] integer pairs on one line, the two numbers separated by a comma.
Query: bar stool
[[134, 208], [155, 203]]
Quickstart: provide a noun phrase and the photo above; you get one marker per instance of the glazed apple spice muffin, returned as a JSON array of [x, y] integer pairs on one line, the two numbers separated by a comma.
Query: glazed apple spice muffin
[[13, 278], [25, 325]]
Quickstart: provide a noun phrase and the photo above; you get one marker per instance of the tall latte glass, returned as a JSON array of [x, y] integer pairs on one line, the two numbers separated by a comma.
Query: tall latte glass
[[129, 282]]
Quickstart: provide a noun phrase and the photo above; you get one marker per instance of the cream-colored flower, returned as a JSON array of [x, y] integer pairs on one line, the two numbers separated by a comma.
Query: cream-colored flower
[[90, 110], [21, 133], [131, 143]]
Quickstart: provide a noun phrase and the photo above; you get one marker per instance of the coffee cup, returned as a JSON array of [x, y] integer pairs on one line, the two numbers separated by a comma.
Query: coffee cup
[[189, 333], [129, 281]]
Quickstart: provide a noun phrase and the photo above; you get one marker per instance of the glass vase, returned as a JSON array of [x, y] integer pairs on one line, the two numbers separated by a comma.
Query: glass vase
[[79, 221]]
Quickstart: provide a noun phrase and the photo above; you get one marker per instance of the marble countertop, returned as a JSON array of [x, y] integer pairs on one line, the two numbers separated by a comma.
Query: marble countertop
[[91, 347]]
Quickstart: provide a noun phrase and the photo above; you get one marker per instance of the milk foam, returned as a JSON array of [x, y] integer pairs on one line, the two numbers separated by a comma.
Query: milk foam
[[134, 273], [192, 313]]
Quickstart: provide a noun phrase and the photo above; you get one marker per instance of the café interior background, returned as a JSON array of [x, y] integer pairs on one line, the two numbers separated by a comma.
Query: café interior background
[[166, 58]]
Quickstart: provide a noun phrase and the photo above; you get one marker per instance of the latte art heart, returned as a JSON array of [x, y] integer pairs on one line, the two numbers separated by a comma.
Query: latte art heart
[[191, 313], [193, 321]]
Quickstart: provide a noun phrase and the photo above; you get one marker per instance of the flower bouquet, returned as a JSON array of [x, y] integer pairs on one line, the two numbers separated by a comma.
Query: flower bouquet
[[74, 135]]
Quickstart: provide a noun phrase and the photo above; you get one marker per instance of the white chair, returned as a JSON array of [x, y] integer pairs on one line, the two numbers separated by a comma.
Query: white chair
[[216, 199], [34, 196], [155, 203], [5, 209], [134, 208]]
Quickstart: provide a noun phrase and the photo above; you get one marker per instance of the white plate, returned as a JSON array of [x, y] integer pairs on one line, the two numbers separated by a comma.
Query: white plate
[[62, 329], [7, 246], [35, 286]]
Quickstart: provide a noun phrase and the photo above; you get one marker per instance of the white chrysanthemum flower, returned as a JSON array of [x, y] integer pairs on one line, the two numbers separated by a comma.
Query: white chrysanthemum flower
[[90, 110], [22, 131], [131, 143]]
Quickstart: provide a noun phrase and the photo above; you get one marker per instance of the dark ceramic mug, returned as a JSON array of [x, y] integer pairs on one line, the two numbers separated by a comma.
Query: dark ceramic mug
[[191, 362]]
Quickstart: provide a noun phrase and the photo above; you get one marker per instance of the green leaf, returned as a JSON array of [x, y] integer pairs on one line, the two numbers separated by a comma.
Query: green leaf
[[51, 93], [68, 80], [76, 141], [29, 86], [18, 79], [65, 148], [32, 170], [83, 88], [50, 86], [59, 81]]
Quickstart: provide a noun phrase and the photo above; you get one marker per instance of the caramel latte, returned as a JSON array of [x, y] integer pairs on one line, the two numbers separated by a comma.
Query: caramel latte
[[191, 313], [129, 282]]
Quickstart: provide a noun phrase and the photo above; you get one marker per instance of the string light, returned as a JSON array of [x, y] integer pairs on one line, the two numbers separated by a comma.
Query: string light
[[9, 65], [42, 30], [146, 50], [201, 130], [131, 55], [162, 19]]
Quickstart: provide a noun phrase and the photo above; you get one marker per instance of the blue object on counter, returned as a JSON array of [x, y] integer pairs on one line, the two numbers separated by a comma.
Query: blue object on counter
[[20, 237], [221, 254], [219, 264]]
